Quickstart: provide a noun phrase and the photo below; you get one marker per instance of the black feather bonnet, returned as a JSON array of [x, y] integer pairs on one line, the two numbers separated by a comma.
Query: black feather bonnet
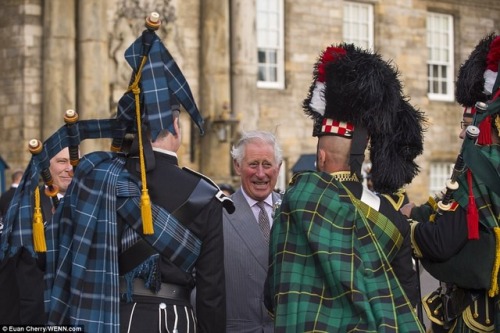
[[355, 91]]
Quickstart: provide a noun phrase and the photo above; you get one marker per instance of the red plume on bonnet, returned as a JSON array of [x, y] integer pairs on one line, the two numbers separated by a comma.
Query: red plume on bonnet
[[490, 76], [493, 57], [330, 54], [474, 72]]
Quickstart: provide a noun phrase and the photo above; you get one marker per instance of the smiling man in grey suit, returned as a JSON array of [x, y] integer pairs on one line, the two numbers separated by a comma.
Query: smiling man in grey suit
[[257, 159]]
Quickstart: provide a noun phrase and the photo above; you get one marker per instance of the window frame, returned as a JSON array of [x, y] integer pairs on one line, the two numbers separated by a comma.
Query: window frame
[[353, 23], [279, 48], [435, 46]]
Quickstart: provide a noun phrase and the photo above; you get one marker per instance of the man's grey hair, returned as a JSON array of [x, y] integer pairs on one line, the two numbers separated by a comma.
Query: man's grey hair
[[238, 149], [17, 175], [163, 133]]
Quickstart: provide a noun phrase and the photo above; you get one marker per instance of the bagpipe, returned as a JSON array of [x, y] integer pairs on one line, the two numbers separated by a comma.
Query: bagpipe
[[81, 237], [476, 266], [156, 81], [23, 223], [471, 134], [470, 158]]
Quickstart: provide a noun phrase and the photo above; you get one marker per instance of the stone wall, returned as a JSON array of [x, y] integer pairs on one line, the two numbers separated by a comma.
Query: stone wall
[[20, 82], [62, 54]]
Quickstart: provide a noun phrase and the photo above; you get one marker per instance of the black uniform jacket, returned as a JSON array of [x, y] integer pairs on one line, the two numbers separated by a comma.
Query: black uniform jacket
[[170, 186], [22, 282], [440, 240], [5, 200]]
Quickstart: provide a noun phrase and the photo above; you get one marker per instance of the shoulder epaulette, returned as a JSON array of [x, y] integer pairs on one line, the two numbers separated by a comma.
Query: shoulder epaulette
[[200, 175], [226, 201], [396, 199]]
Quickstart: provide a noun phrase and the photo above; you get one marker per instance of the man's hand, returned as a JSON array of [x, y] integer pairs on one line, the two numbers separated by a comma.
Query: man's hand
[[406, 209]]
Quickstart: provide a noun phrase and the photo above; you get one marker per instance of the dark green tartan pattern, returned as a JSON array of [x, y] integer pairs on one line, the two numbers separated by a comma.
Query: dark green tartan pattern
[[328, 273], [487, 202], [381, 228]]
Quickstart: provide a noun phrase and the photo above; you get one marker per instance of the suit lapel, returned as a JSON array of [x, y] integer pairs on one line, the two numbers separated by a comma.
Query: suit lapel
[[244, 224]]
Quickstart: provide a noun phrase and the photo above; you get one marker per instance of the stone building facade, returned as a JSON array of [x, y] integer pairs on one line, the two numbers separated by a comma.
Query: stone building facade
[[68, 54]]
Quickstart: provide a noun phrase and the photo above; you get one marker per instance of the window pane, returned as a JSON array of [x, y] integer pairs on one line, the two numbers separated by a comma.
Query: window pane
[[440, 172], [273, 38], [261, 56], [261, 76], [435, 87], [273, 75], [272, 57], [444, 88], [273, 21]]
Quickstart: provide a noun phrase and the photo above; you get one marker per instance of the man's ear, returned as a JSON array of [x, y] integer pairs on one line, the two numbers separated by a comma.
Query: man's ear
[[321, 158], [237, 167], [176, 125]]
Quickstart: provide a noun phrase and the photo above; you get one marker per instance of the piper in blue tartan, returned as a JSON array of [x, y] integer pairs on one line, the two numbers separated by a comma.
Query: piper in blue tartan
[[134, 233], [340, 255]]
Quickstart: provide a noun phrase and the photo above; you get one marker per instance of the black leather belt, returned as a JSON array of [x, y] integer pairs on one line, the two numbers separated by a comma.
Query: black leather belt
[[167, 290]]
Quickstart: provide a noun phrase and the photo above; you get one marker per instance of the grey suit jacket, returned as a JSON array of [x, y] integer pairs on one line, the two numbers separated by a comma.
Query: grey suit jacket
[[246, 261]]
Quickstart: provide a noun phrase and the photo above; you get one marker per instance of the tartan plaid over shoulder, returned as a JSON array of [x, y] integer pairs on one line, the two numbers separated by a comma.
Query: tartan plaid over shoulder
[[82, 269], [487, 201], [328, 270], [17, 231], [81, 277]]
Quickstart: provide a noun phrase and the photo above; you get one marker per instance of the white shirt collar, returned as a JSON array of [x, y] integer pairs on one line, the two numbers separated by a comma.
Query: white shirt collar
[[164, 151], [252, 202]]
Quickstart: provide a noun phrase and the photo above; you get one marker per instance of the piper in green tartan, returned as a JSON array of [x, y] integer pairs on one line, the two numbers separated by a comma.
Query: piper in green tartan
[[340, 255], [458, 243]]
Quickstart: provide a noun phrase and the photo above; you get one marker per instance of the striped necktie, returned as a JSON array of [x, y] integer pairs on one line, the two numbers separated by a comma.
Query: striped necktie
[[264, 221]]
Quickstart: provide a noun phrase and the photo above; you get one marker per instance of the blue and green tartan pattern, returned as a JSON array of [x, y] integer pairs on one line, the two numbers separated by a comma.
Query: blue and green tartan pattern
[[160, 77], [83, 287], [82, 270], [81, 280], [171, 238], [20, 212], [328, 271]]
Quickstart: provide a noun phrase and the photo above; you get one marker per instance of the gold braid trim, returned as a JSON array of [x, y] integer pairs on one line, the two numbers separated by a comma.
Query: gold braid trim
[[432, 202], [416, 250], [343, 176], [497, 123], [400, 195], [470, 321], [434, 317], [496, 265]]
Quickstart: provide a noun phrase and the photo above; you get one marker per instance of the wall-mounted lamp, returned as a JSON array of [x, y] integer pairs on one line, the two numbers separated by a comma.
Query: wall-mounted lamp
[[224, 127], [225, 124]]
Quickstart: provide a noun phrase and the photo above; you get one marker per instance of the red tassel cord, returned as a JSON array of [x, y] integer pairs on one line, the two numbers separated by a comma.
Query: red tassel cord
[[472, 213]]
